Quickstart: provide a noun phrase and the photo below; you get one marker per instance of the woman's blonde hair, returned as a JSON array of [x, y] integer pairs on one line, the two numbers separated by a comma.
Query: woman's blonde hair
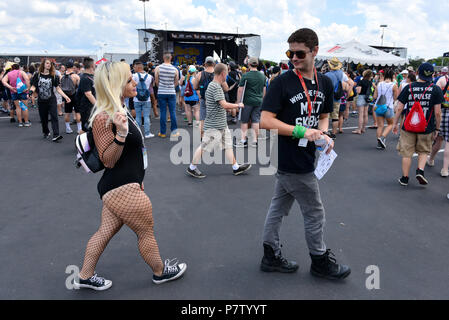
[[110, 80]]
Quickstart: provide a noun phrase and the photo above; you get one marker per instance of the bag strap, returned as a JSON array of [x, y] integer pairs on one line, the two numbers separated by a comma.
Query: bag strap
[[145, 78]]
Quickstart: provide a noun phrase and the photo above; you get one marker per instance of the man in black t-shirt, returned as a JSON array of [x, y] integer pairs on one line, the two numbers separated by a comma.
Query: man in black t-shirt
[[430, 97], [86, 93], [286, 108]]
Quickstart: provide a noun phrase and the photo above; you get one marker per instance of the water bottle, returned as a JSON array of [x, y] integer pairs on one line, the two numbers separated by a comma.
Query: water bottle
[[321, 143]]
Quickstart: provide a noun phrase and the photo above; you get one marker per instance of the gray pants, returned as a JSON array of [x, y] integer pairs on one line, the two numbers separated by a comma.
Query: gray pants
[[304, 189]]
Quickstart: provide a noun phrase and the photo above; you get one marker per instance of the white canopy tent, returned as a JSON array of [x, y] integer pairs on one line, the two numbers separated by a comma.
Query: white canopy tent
[[356, 52]]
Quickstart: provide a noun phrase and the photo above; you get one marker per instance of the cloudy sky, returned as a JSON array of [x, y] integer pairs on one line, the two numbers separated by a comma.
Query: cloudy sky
[[84, 26]]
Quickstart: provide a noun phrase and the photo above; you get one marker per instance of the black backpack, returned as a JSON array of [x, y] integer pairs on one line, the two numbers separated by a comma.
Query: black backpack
[[87, 156], [205, 79], [67, 84]]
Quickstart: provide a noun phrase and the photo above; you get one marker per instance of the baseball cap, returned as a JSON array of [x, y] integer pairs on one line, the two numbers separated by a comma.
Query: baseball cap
[[404, 72], [445, 69], [410, 68], [253, 61], [209, 60], [192, 69], [425, 71]]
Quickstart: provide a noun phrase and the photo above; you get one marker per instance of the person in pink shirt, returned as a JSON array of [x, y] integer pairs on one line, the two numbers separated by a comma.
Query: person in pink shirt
[[18, 95]]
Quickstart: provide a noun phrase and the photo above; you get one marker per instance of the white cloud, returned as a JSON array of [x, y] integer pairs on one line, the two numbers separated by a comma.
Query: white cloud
[[63, 26]]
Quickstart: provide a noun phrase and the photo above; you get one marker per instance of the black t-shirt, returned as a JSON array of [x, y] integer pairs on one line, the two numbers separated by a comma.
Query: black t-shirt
[[365, 86], [233, 78], [433, 96], [45, 84], [86, 84], [285, 97]]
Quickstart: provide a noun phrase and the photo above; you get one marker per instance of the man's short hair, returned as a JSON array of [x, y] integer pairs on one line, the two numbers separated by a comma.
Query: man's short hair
[[306, 36], [136, 62], [88, 63], [219, 68], [167, 55], [77, 65]]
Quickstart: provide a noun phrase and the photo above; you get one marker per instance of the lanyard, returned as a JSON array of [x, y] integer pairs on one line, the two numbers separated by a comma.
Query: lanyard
[[137, 126], [306, 92]]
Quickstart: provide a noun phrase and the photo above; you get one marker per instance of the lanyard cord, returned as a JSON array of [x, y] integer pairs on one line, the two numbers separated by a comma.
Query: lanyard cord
[[306, 92], [137, 126]]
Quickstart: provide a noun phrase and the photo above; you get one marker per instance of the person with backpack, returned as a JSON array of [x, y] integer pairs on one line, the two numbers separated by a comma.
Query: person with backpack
[[191, 97], [142, 102], [69, 84], [233, 81], [121, 148], [17, 82], [340, 82], [201, 82], [421, 101], [86, 93], [167, 78], [385, 95], [44, 83]]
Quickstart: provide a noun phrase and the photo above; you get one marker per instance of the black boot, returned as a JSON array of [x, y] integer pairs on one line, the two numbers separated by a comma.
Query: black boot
[[271, 262], [325, 266]]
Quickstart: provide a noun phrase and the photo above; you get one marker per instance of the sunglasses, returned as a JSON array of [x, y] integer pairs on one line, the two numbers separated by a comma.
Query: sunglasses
[[301, 54]]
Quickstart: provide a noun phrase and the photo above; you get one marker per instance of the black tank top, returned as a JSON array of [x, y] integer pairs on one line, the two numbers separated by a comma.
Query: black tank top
[[129, 168]]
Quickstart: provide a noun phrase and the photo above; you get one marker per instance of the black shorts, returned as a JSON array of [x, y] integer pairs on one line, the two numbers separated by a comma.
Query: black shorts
[[69, 107], [193, 103]]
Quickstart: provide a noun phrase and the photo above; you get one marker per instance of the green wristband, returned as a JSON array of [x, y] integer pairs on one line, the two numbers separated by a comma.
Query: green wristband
[[299, 132]]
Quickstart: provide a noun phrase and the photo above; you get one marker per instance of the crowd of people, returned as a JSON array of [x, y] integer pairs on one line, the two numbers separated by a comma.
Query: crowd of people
[[114, 100]]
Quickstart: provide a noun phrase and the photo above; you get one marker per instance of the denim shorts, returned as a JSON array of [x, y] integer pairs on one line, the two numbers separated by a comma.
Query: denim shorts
[[19, 96], [361, 101], [202, 109]]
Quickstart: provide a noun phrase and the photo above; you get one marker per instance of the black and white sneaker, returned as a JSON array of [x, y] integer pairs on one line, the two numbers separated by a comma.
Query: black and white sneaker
[[195, 173], [56, 138], [403, 181], [242, 168], [172, 271], [95, 282], [241, 144], [46, 136], [420, 177], [382, 143]]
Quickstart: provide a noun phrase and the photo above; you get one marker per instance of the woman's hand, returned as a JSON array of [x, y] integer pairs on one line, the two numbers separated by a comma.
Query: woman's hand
[[120, 121]]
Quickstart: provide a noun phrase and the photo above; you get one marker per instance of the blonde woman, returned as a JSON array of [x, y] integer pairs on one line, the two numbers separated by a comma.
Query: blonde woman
[[121, 148]]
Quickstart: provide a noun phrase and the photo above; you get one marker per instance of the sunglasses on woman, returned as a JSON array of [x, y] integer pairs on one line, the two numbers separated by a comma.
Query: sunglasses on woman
[[301, 54]]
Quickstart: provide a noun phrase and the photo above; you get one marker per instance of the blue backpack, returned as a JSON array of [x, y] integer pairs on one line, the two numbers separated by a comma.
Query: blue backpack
[[143, 93]]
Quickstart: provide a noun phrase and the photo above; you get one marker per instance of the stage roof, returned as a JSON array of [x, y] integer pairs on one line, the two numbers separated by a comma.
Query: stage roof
[[200, 36]]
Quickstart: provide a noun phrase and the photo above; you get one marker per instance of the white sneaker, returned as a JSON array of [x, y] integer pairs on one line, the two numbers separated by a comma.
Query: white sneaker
[[430, 163], [444, 173], [68, 130], [149, 136]]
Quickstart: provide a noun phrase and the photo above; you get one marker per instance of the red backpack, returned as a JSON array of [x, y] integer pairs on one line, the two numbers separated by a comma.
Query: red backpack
[[189, 90], [415, 120]]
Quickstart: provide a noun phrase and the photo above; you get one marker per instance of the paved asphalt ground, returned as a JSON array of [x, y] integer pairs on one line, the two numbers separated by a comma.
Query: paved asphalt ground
[[49, 210]]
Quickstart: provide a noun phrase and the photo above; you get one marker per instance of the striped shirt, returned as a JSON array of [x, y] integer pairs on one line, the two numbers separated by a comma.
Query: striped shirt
[[167, 74], [215, 114]]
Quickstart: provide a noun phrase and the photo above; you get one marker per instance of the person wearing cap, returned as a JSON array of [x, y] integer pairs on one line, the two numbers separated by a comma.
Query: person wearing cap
[[443, 135], [191, 101], [233, 80], [69, 107], [401, 77], [337, 76], [251, 92], [430, 97], [201, 82]]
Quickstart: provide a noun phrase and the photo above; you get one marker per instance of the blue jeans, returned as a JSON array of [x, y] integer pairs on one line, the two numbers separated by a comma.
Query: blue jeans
[[145, 107], [163, 101]]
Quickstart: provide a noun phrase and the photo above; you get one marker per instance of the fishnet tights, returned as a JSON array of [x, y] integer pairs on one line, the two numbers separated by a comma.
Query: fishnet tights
[[128, 205], [108, 150]]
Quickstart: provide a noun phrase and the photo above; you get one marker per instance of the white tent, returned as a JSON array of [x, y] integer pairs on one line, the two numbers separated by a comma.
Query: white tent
[[357, 52]]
